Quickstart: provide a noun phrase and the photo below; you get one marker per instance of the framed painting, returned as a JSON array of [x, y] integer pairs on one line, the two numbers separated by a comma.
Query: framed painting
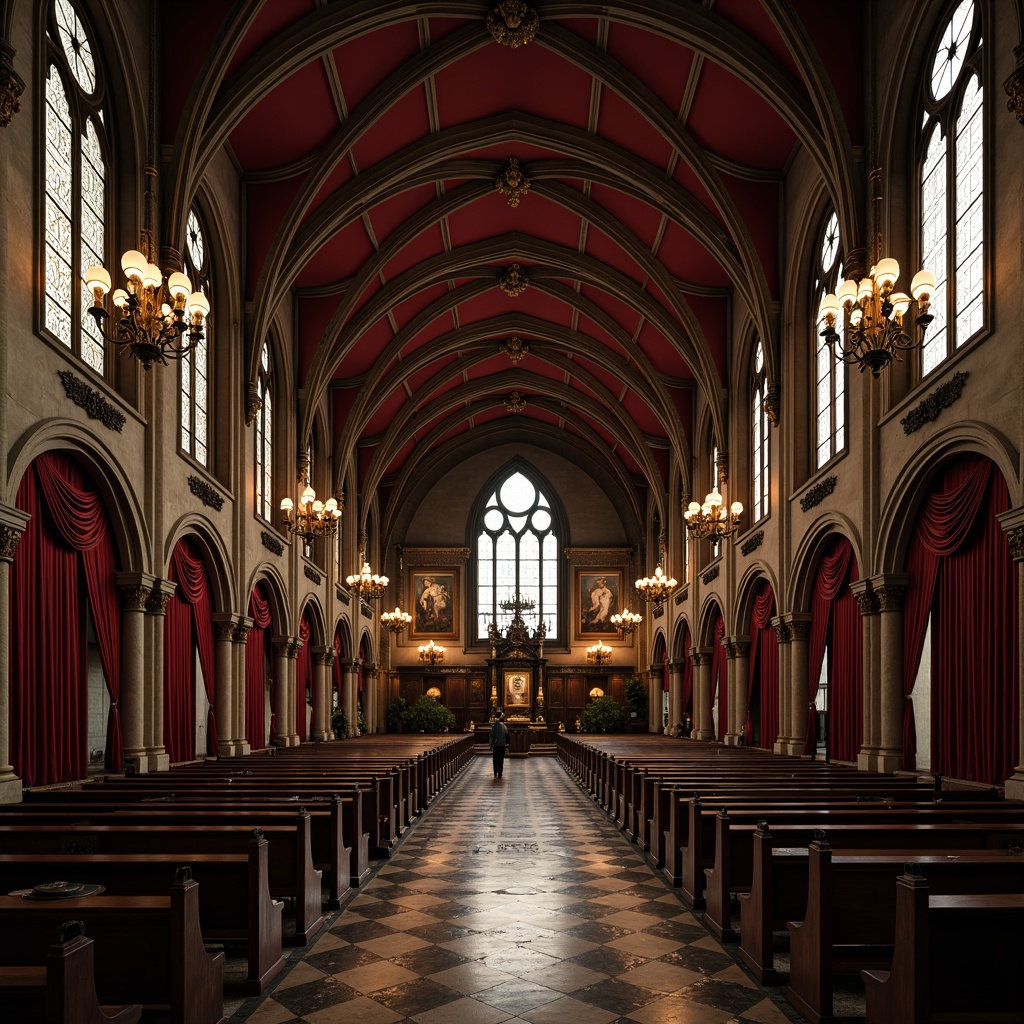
[[598, 599], [517, 690], [433, 603]]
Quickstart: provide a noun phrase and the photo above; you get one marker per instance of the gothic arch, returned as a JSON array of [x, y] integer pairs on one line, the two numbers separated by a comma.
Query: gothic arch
[[808, 554], [744, 601], [276, 596], [215, 557]]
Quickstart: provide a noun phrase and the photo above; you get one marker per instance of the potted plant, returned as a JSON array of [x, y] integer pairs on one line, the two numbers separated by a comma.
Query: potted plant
[[636, 704]]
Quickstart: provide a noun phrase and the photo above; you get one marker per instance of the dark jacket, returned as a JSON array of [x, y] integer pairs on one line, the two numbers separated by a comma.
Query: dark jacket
[[499, 735]]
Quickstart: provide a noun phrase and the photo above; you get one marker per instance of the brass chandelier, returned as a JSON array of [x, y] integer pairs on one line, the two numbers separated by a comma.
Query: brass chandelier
[[313, 518], [712, 519], [598, 654], [154, 317], [655, 588], [626, 621], [431, 653], [367, 584], [395, 622]]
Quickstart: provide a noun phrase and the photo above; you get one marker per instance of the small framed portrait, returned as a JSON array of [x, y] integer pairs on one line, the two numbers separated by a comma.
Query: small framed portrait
[[598, 599], [517, 689], [476, 692], [433, 603]]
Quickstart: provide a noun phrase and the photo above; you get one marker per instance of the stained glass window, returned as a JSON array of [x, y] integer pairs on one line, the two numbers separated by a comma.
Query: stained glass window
[[952, 186], [517, 554], [265, 437], [759, 436], [829, 369], [195, 365], [75, 187]]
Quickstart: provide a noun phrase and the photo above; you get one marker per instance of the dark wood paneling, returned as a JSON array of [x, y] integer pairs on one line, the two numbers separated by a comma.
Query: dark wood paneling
[[455, 692]]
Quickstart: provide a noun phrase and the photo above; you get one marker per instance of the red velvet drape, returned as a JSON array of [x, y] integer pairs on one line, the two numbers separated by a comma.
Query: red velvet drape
[[687, 700], [336, 672], [303, 676], [763, 678], [833, 575], [846, 676], [256, 667], [942, 525], [720, 678]]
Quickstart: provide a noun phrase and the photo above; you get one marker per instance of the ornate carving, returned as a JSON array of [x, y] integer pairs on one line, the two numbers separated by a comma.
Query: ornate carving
[[224, 630], [515, 348], [302, 465], [931, 406], [159, 599], [515, 402], [752, 543], [435, 556], [293, 647], [710, 574], [512, 23], [253, 402], [242, 632], [890, 597], [311, 574], [782, 633], [799, 629], [1014, 86], [1015, 537], [682, 593], [12, 86], [773, 403], [330, 656], [513, 281], [135, 597], [598, 556], [867, 602], [89, 399], [699, 658], [205, 492], [736, 648], [818, 493], [513, 183], [723, 466], [9, 538], [271, 543], [341, 593], [659, 610]]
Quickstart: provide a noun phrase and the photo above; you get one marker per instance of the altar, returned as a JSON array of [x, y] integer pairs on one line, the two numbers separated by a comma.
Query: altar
[[516, 673]]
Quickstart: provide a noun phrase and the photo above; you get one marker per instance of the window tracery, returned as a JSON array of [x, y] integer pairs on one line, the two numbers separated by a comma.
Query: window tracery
[[759, 436], [195, 365], [829, 369], [265, 436]]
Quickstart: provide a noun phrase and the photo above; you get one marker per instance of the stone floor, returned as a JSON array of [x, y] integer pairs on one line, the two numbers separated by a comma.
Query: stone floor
[[516, 900]]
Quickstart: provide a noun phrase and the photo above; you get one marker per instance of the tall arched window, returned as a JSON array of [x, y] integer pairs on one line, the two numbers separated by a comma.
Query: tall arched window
[[517, 553], [952, 186], [195, 367], [759, 436], [265, 436], [76, 168], [829, 369]]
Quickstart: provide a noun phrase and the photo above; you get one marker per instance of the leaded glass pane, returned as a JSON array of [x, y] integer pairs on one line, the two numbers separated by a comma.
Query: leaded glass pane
[[194, 243], [969, 214], [830, 242], [949, 58], [76, 46], [58, 225]]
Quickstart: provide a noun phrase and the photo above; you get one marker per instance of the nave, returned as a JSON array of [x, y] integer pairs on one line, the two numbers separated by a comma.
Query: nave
[[515, 900]]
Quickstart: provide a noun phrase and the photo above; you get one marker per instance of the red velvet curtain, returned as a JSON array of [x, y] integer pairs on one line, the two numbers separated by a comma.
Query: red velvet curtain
[[720, 678], [303, 676], [942, 525], [975, 725], [256, 667], [188, 625], [336, 671], [764, 667], [833, 574], [846, 676], [687, 701]]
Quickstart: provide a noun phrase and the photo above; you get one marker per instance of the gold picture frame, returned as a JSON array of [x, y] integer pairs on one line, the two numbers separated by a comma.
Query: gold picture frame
[[517, 690], [433, 602], [598, 595]]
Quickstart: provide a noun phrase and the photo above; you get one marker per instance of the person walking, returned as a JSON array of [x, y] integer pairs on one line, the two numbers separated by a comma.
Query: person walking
[[499, 740]]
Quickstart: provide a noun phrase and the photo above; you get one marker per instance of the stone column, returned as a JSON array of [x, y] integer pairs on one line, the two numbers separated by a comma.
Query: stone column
[[242, 742], [156, 608], [703, 710], [867, 601], [225, 695], [784, 639], [675, 696], [737, 652], [1013, 523], [135, 589], [348, 694], [330, 657], [799, 625], [279, 733], [890, 591], [319, 726], [12, 526], [370, 696], [291, 698]]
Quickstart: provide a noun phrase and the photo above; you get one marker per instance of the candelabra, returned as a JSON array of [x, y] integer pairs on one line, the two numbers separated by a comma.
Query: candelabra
[[367, 584], [598, 654], [395, 622], [314, 518], [655, 588], [712, 519], [431, 653]]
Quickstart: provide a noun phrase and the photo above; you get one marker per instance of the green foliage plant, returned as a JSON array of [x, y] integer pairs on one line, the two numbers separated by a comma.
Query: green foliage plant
[[429, 715], [603, 715]]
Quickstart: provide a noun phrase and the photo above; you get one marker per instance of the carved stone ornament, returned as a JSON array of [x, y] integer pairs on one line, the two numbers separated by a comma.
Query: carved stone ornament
[[12, 86], [752, 543], [434, 556], [135, 597], [271, 543], [867, 602], [158, 600], [931, 405], [293, 647], [512, 23], [818, 493], [513, 183], [515, 402], [92, 401], [799, 629], [711, 574], [782, 633], [773, 403], [205, 492], [9, 538], [515, 348], [242, 632], [253, 402], [1014, 86], [224, 630], [723, 466], [699, 658], [302, 465], [1015, 538], [513, 281], [311, 574], [890, 597]]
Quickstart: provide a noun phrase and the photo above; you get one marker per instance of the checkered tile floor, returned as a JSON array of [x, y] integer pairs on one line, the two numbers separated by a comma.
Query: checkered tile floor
[[515, 899]]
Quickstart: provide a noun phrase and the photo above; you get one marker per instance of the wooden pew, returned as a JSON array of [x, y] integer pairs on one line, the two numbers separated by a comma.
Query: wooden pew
[[850, 921], [147, 949], [956, 957], [234, 895], [64, 990]]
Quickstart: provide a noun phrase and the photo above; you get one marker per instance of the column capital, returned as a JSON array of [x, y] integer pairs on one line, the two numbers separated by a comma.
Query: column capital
[[798, 624], [286, 646], [1012, 523], [242, 628], [736, 646], [891, 589], [160, 596], [12, 525], [135, 589], [782, 634], [323, 655], [225, 624], [867, 600], [701, 656]]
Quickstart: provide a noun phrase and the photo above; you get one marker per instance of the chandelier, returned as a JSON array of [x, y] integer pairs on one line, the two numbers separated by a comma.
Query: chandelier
[[153, 316], [395, 621], [314, 518], [873, 312], [518, 604], [627, 621], [598, 654], [432, 654], [712, 519], [367, 584], [655, 588]]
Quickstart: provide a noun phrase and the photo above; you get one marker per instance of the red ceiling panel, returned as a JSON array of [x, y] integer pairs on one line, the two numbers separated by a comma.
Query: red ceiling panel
[[643, 415], [339, 258], [386, 409], [426, 244], [404, 123], [662, 353], [407, 310], [661, 64], [627, 318], [713, 315], [363, 354], [686, 258], [271, 20], [340, 175], [266, 204], [535, 216], [620, 123], [442, 366], [314, 314], [369, 59], [601, 248], [584, 27], [685, 176], [758, 203], [755, 21], [385, 217], [342, 400], [441, 27], [524, 152], [642, 219], [592, 330]]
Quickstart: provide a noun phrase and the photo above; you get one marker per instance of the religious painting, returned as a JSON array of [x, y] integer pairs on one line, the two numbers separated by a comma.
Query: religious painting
[[517, 690], [433, 603], [597, 594], [476, 692]]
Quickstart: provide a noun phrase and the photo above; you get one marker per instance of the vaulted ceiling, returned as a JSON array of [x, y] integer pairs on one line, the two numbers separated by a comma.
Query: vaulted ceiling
[[371, 137]]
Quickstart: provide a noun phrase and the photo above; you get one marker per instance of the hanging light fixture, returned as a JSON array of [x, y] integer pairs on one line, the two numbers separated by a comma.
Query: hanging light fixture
[[432, 654], [873, 312], [598, 654], [626, 622], [395, 622], [154, 317], [657, 587], [367, 584], [314, 518], [712, 519]]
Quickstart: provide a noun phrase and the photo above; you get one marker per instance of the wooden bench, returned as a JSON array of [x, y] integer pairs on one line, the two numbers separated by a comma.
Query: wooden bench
[[64, 990], [147, 949], [956, 958], [234, 896]]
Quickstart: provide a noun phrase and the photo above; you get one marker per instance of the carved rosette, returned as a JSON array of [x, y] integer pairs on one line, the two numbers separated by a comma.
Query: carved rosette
[[513, 281], [1014, 86], [11, 84], [512, 23], [513, 182], [253, 402], [515, 348], [515, 402], [773, 403], [9, 538]]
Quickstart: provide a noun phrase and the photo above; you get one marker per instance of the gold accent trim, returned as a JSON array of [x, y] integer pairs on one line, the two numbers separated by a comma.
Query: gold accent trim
[[12, 85], [773, 403], [513, 182], [515, 348], [9, 537], [598, 556], [513, 281], [512, 23], [1014, 86], [515, 402]]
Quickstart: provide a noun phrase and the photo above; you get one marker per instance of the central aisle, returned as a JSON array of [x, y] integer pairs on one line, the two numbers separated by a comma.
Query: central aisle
[[515, 900]]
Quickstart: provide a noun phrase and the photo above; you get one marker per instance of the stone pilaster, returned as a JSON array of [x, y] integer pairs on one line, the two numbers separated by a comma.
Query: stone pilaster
[[703, 711], [12, 525], [675, 697], [156, 612], [1013, 523], [349, 682], [871, 713], [243, 742], [228, 690], [320, 726], [135, 590], [784, 639], [737, 654], [799, 626]]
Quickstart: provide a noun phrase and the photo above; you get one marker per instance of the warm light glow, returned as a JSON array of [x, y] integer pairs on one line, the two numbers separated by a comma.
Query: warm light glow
[[712, 519], [313, 518], [367, 584], [431, 653], [598, 654], [657, 587], [395, 621]]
